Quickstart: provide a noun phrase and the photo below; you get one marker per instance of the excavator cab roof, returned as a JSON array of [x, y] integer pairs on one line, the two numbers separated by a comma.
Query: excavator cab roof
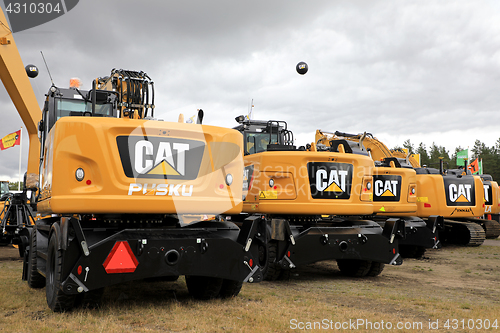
[[261, 135], [486, 177]]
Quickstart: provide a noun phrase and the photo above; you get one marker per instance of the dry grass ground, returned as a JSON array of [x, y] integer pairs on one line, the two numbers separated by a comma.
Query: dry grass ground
[[451, 283]]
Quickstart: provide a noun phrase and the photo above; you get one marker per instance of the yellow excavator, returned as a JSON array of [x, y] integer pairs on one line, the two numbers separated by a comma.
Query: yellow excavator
[[491, 198], [111, 183], [450, 194], [394, 192], [313, 203], [461, 198]]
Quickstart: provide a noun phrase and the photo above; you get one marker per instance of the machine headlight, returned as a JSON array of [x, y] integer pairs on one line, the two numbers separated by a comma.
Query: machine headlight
[[229, 179], [79, 174]]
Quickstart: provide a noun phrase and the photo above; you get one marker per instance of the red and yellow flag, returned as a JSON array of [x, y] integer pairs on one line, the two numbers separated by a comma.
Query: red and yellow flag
[[10, 140]]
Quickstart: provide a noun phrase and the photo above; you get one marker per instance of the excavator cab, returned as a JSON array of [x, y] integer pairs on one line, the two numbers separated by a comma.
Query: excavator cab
[[61, 102], [261, 136]]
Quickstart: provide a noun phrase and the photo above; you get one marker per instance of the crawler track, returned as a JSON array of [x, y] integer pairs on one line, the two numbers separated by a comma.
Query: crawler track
[[462, 233], [491, 228]]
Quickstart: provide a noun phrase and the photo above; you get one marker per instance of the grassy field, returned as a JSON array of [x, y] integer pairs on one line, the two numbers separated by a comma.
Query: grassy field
[[454, 283]]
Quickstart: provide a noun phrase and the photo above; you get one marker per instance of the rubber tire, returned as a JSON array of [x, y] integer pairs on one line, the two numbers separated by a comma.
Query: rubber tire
[[204, 287], [411, 251], [169, 278], [21, 247], [420, 252], [56, 299], [90, 300], [354, 267], [273, 271], [35, 279], [285, 274], [230, 288], [375, 269]]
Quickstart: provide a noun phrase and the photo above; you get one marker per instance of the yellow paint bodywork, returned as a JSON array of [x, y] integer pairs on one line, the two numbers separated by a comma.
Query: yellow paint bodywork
[[90, 143], [378, 151], [288, 169], [407, 201], [431, 191], [494, 208]]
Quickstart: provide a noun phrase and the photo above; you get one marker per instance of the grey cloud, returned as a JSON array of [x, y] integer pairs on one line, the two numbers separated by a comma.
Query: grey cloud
[[379, 66]]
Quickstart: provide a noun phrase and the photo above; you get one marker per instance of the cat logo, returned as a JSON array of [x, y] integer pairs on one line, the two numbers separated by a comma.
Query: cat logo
[[488, 194], [160, 157], [386, 188], [330, 180], [459, 191]]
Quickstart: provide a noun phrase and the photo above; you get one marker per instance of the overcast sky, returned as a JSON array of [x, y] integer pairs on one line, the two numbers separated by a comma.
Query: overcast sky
[[428, 71]]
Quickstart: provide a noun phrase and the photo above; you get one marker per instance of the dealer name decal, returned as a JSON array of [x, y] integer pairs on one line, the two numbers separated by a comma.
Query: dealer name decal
[[161, 189]]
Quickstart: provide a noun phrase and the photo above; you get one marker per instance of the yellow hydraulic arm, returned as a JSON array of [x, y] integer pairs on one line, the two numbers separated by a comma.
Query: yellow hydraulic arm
[[377, 149], [16, 82]]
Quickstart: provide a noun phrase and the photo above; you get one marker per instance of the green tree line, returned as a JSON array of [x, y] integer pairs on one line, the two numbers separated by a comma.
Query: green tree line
[[14, 185], [430, 157]]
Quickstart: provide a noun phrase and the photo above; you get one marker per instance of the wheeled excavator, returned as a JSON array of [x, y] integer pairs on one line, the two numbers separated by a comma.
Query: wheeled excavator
[[394, 193], [312, 202], [111, 183]]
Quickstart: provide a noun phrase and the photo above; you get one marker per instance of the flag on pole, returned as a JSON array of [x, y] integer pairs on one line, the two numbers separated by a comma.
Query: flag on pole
[[474, 166], [461, 156], [481, 167], [10, 140]]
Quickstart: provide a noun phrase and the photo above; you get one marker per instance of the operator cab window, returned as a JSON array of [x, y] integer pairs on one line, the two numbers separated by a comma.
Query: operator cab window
[[4, 188], [101, 109], [66, 107], [257, 142]]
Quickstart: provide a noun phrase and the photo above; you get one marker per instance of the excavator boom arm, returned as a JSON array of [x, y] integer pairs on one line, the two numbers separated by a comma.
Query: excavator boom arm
[[16, 82]]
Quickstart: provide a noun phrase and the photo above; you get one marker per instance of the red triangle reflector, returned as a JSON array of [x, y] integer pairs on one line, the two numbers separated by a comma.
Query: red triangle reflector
[[121, 259]]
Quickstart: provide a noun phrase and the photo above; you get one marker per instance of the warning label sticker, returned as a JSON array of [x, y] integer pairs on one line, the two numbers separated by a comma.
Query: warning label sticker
[[266, 195]]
